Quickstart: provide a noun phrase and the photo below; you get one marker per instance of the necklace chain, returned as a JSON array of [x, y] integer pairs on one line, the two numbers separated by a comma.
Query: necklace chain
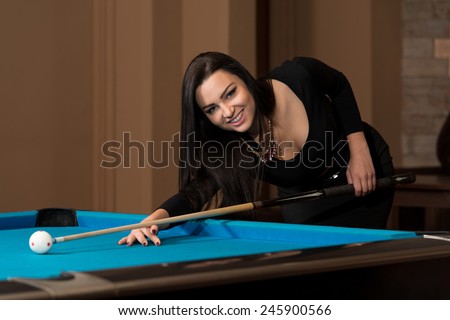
[[268, 147]]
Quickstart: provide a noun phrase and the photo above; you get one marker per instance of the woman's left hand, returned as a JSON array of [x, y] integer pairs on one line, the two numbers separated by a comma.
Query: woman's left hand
[[360, 171]]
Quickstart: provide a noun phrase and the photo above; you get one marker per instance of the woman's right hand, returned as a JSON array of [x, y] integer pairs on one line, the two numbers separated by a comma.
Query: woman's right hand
[[142, 235]]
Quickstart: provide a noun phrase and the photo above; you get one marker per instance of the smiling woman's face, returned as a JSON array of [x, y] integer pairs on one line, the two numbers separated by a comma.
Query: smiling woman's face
[[226, 101]]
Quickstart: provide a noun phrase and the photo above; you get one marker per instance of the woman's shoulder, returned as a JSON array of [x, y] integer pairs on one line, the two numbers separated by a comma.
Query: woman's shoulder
[[293, 74], [299, 61], [292, 67]]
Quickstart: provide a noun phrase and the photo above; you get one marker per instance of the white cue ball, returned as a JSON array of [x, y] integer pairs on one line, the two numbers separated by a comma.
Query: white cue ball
[[41, 242]]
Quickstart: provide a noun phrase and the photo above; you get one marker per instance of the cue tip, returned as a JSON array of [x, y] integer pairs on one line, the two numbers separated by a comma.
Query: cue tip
[[428, 236]]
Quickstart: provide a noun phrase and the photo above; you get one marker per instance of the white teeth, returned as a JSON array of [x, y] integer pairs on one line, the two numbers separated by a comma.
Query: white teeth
[[237, 118]]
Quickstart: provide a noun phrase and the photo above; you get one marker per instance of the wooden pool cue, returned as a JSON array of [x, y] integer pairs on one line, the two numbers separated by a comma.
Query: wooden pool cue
[[249, 206]]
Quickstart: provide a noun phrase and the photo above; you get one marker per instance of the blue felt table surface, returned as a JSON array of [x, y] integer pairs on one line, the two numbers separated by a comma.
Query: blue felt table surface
[[194, 240]]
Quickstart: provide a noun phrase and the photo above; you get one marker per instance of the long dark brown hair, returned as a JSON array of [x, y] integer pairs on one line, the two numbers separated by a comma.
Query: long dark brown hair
[[209, 161]]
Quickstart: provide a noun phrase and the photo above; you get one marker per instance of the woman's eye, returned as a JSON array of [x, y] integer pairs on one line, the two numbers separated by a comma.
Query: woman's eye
[[231, 92], [211, 110]]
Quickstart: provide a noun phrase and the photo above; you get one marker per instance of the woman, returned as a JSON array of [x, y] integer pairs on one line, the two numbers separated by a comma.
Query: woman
[[299, 128]]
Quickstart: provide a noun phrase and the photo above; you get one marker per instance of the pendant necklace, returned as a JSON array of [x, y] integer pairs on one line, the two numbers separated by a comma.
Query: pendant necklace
[[267, 149]]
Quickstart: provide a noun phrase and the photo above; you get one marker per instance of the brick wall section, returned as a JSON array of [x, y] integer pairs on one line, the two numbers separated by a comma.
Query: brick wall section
[[425, 78]]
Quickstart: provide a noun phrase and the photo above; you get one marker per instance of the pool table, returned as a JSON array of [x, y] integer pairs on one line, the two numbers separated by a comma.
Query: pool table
[[217, 259]]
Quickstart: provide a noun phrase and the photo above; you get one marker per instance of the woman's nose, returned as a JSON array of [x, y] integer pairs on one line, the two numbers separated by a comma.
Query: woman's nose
[[227, 111]]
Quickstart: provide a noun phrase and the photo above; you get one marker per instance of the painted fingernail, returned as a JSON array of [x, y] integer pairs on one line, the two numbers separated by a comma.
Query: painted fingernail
[[157, 243], [154, 231]]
